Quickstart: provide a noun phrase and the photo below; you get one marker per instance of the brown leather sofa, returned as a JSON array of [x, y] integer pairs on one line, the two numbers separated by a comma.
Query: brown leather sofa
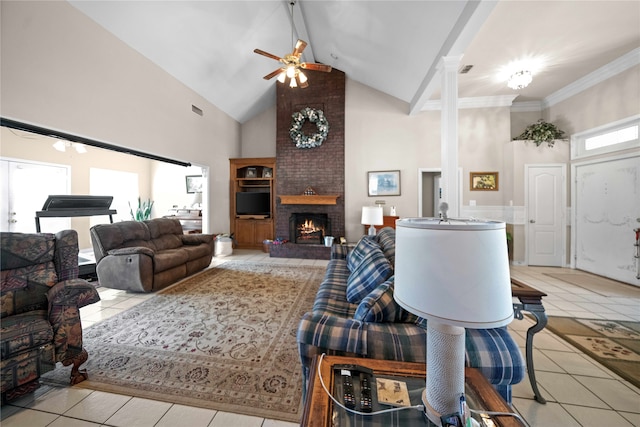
[[145, 256]]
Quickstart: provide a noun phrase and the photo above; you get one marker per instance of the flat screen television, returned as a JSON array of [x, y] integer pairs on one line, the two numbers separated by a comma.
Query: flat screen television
[[253, 204]]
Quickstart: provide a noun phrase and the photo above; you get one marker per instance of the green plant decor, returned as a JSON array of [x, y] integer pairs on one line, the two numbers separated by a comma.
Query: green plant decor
[[143, 211], [540, 132]]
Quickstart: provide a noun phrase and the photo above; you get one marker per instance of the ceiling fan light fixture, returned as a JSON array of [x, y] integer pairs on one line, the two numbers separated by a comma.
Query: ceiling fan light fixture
[[291, 71], [292, 66], [520, 79]]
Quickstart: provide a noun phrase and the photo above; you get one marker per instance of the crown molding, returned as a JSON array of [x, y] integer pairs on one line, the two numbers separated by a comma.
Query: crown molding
[[474, 102], [603, 73], [524, 107]]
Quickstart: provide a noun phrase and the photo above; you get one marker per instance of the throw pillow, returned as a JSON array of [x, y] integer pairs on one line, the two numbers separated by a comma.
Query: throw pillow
[[364, 246], [387, 240], [379, 306], [372, 271]]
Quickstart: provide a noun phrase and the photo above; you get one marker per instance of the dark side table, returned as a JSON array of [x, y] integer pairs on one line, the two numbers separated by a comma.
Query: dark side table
[[319, 410], [531, 302]]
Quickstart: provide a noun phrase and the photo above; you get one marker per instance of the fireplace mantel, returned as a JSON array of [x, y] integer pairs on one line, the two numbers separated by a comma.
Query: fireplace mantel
[[316, 199]]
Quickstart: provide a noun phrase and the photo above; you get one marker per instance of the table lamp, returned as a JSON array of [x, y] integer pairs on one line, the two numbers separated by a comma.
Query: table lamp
[[371, 215], [196, 201], [455, 274]]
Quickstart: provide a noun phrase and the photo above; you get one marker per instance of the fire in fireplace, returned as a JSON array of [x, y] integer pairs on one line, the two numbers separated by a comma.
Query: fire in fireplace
[[309, 228]]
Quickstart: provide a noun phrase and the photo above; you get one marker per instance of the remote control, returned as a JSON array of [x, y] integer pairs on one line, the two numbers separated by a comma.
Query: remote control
[[365, 393], [347, 388]]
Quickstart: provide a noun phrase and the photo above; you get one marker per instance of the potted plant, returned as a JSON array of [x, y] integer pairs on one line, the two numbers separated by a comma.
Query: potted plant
[[540, 132], [510, 245], [143, 211]]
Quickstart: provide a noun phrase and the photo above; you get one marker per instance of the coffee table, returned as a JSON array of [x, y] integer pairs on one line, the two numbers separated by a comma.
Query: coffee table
[[320, 411]]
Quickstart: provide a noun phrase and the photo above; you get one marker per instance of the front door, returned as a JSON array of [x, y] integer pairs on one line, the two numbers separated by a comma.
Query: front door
[[546, 204], [607, 213]]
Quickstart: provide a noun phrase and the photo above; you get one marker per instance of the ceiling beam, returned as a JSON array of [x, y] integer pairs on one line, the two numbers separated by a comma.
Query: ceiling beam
[[465, 29]]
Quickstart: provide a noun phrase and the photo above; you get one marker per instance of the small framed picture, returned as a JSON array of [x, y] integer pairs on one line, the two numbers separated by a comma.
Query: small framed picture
[[267, 172], [383, 183], [483, 181], [251, 173], [194, 183]]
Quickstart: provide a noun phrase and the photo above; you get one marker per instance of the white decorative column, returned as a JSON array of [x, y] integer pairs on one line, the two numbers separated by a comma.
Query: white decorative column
[[449, 134]]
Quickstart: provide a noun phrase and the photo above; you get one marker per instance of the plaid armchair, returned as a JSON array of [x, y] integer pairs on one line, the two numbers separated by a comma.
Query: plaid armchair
[[354, 314], [41, 295]]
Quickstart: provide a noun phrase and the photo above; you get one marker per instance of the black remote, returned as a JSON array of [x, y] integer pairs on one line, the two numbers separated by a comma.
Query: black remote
[[366, 404], [347, 388]]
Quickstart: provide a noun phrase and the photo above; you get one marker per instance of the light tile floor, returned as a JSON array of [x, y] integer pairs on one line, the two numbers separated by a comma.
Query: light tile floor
[[579, 391]]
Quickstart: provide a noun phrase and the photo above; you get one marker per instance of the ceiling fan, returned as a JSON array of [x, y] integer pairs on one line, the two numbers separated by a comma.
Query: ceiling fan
[[292, 67]]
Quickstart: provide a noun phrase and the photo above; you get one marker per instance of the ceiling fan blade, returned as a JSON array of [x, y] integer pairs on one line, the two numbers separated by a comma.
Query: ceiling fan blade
[[267, 54], [316, 67], [300, 45], [273, 74], [304, 84]]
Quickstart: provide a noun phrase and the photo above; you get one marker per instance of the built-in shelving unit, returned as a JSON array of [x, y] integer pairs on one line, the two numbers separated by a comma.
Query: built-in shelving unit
[[252, 175]]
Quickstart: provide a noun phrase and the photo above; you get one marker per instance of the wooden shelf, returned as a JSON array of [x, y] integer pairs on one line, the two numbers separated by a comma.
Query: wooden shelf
[[309, 200], [251, 185]]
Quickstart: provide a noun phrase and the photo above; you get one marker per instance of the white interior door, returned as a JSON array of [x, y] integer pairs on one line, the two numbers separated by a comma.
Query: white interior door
[[24, 190], [546, 204], [607, 210]]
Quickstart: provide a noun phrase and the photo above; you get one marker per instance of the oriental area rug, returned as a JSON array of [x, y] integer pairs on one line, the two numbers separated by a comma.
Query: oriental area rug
[[223, 339], [614, 344]]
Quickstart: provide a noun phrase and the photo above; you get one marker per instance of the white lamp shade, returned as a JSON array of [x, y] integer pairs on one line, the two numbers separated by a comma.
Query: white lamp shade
[[371, 215], [196, 199], [454, 272]]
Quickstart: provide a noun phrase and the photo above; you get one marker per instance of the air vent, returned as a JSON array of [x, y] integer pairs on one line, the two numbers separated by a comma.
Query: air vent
[[466, 69], [196, 110]]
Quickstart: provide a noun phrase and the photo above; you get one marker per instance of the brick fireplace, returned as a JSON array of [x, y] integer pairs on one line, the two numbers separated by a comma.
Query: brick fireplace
[[321, 168]]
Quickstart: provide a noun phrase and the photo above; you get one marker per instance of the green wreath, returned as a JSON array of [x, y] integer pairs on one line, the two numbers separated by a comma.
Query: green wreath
[[314, 116]]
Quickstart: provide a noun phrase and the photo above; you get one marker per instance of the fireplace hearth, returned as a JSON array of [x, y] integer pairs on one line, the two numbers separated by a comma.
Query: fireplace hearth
[[309, 228]]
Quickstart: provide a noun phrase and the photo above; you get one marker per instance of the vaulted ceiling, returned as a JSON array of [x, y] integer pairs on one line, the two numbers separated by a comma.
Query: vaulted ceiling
[[391, 46]]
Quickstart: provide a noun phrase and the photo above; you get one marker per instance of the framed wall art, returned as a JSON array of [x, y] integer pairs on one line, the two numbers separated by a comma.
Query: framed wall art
[[194, 184], [483, 181], [383, 183]]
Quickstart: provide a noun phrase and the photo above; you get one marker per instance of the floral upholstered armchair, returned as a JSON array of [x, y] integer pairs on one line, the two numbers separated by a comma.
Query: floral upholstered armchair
[[41, 296]]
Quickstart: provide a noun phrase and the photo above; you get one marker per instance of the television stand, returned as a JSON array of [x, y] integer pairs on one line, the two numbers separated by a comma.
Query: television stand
[[252, 216]]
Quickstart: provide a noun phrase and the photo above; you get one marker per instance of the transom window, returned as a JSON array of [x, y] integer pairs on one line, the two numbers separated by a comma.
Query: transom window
[[616, 136]]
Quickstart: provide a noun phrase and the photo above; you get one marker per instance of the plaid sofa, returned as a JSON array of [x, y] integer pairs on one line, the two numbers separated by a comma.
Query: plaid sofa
[[354, 314], [41, 295]]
